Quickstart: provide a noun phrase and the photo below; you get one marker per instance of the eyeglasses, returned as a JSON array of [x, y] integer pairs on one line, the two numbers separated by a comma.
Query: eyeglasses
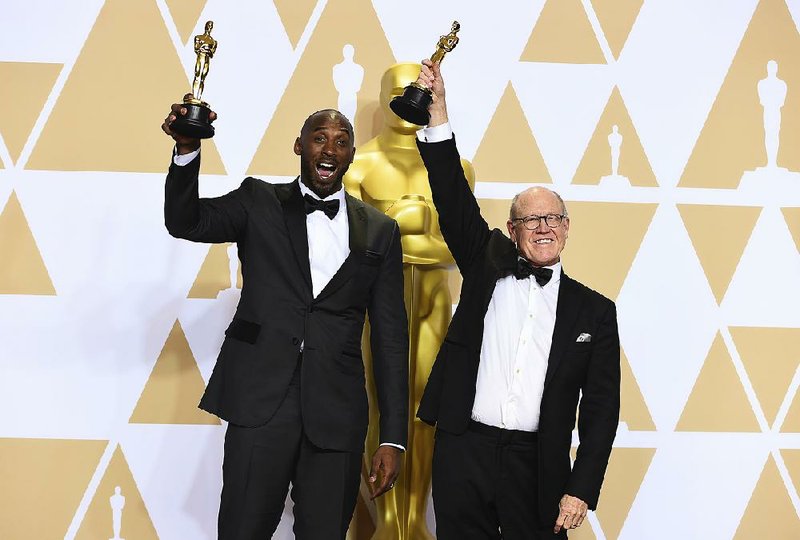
[[532, 222]]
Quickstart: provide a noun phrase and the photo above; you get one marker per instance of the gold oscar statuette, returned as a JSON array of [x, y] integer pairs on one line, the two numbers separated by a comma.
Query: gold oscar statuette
[[196, 122], [412, 106], [389, 175]]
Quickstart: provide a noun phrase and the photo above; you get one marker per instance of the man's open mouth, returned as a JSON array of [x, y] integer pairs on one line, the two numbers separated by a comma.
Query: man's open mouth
[[325, 169]]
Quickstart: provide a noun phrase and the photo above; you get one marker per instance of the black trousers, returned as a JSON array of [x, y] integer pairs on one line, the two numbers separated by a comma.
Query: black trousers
[[260, 463], [485, 484]]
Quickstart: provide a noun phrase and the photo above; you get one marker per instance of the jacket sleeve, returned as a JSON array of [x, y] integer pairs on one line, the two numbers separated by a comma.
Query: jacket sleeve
[[389, 344], [598, 413], [463, 227], [187, 216]]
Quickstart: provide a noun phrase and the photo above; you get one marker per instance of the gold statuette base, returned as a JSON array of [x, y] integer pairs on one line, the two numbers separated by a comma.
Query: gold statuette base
[[196, 122], [412, 106]]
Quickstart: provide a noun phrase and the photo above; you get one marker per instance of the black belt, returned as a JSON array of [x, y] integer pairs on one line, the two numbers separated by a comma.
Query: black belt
[[503, 436]]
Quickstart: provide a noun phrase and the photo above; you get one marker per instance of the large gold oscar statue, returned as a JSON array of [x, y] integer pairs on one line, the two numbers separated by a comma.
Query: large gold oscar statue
[[388, 174]]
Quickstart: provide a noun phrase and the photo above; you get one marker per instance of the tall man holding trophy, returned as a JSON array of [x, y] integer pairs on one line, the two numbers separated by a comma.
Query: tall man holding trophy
[[289, 378]]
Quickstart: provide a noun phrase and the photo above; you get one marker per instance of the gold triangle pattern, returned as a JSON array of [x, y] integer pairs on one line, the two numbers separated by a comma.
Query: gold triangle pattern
[[791, 424], [185, 13], [98, 522], [509, 134], [791, 458], [119, 60], [24, 91], [732, 139], [563, 34], [719, 251], [770, 357], [626, 471], [295, 15], [174, 387], [615, 130], [718, 402], [352, 23], [633, 409], [584, 532], [588, 243], [215, 273], [23, 270], [616, 19], [43, 483], [769, 498]]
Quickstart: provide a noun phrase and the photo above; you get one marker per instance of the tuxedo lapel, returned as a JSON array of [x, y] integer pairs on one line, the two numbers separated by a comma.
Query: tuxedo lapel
[[357, 224], [295, 216], [569, 305]]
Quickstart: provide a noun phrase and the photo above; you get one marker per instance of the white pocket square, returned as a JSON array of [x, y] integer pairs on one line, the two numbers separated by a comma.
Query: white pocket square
[[584, 338]]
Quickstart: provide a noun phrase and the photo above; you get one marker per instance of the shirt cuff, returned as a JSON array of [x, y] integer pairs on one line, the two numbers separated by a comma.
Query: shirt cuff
[[184, 159], [435, 134], [402, 448]]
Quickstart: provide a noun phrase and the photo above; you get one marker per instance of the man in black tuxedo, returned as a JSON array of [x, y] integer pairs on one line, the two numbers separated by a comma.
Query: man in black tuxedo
[[525, 344], [289, 378]]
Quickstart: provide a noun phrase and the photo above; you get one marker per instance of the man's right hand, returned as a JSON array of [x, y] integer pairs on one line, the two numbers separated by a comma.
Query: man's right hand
[[430, 76], [183, 144]]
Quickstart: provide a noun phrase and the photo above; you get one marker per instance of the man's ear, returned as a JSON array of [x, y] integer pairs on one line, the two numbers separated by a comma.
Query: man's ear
[[298, 147], [512, 232]]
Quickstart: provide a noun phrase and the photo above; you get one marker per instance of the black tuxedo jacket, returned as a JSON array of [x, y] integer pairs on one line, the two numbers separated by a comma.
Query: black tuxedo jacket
[[277, 312], [589, 369]]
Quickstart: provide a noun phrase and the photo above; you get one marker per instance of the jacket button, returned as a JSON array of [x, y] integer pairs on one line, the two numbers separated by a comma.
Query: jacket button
[[311, 309]]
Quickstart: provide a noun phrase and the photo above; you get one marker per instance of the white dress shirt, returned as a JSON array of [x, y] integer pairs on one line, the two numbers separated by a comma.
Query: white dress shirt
[[517, 334], [328, 240]]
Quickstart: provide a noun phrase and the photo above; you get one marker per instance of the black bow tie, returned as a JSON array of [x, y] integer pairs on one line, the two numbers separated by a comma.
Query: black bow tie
[[525, 269], [312, 204]]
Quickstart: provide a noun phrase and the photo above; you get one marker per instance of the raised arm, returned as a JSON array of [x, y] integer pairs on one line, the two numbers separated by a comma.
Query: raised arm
[[186, 215], [463, 227]]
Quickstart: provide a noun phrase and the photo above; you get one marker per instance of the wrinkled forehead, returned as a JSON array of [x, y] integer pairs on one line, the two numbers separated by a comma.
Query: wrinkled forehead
[[538, 201]]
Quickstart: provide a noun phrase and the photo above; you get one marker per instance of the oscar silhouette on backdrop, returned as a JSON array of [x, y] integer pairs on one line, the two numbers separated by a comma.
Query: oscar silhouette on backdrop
[[615, 144], [772, 96], [117, 502], [388, 174], [231, 292], [347, 78], [772, 93]]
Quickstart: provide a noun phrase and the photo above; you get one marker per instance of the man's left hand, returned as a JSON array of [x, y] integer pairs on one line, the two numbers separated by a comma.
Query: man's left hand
[[572, 512], [386, 463]]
